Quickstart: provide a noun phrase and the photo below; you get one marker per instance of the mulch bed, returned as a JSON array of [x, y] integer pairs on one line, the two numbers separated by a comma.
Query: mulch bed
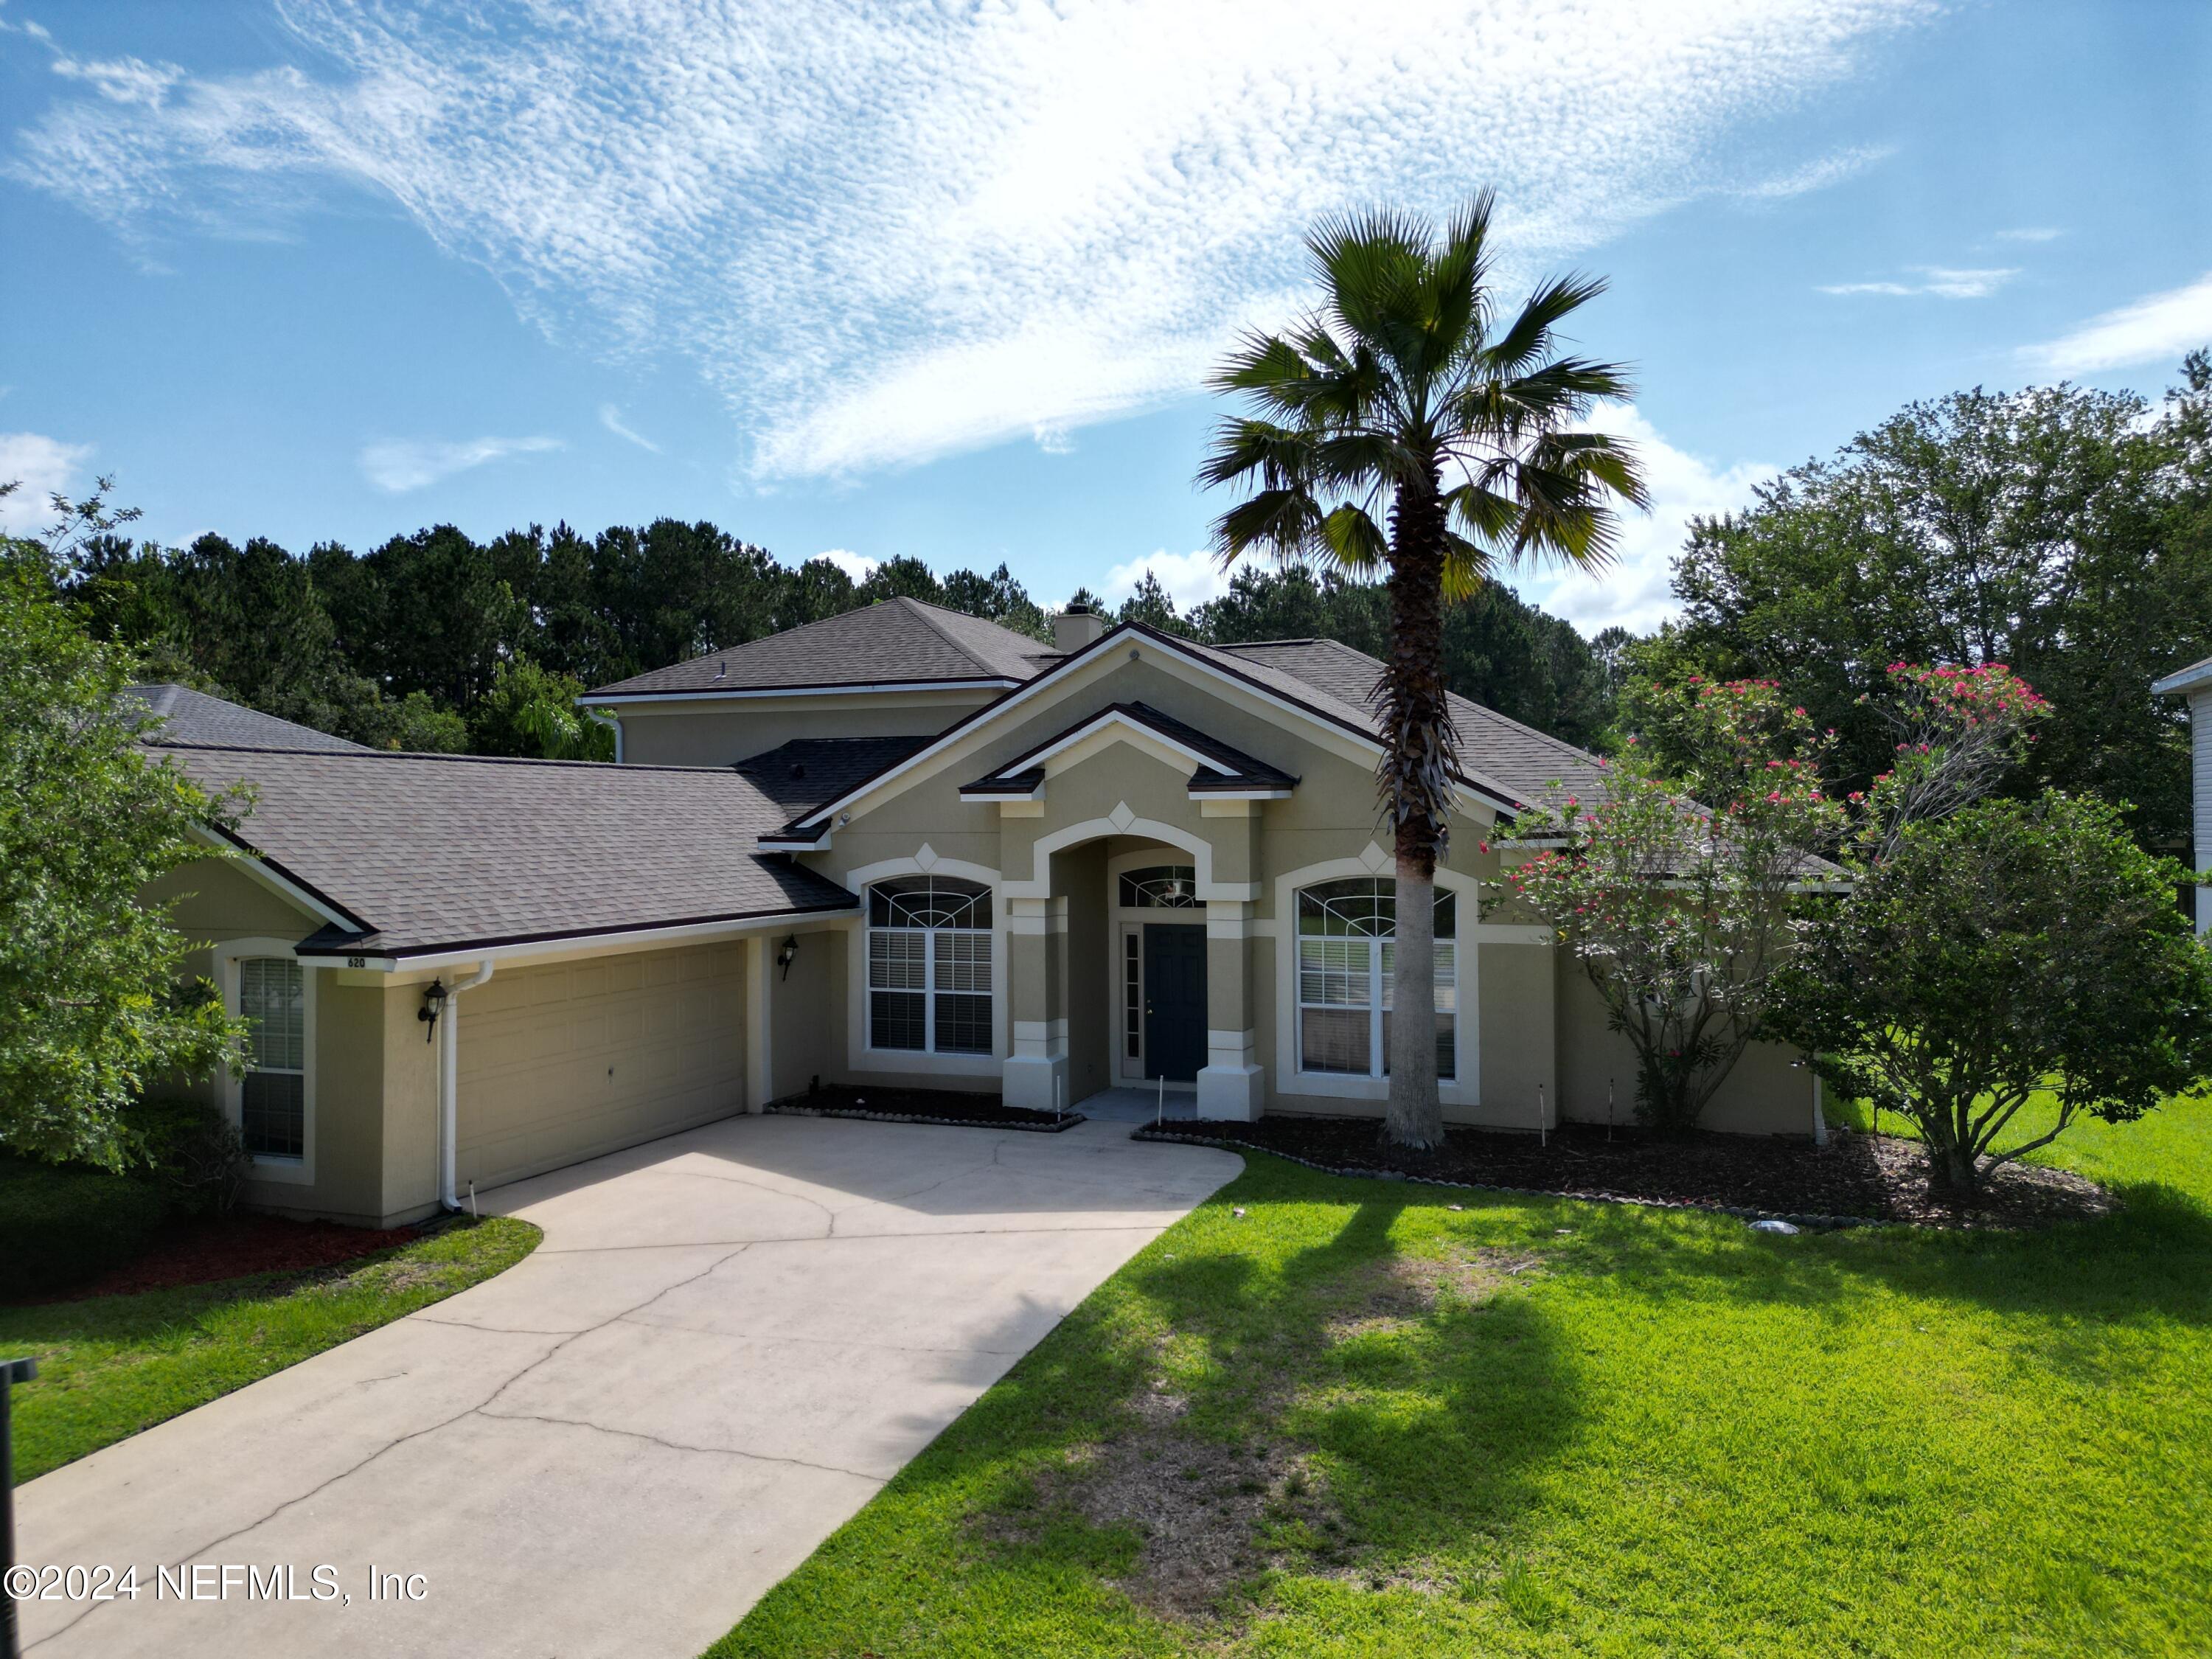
[[941, 1106], [234, 1246], [1855, 1179]]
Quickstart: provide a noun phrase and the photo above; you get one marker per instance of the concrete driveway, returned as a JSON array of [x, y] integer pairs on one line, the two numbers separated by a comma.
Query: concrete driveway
[[728, 1342]]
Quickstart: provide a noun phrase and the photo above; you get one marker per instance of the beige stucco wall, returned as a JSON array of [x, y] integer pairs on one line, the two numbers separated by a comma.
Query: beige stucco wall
[[718, 731], [1763, 1095], [804, 1007]]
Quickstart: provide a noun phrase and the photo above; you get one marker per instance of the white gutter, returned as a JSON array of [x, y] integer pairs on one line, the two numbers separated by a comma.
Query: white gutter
[[631, 939], [449, 1084]]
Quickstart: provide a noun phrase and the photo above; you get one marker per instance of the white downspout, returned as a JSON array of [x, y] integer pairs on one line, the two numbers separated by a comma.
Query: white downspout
[[449, 1085]]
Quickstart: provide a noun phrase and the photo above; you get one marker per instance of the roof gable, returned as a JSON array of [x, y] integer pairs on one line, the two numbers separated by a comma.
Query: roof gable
[[1318, 709], [898, 641]]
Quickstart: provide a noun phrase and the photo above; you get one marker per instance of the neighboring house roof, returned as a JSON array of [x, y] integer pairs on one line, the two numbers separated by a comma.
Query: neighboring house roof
[[899, 642], [1525, 761], [1222, 769], [2185, 679], [435, 853], [193, 718], [808, 771]]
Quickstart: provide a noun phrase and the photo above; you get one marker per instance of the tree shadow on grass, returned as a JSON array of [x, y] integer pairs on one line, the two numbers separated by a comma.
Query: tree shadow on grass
[[1419, 1407]]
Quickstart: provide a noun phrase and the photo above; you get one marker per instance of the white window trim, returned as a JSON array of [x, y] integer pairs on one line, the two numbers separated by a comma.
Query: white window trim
[[300, 1172], [1466, 1088], [860, 1055]]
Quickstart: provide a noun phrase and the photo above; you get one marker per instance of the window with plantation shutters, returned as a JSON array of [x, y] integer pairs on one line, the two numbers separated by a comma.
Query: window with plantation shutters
[[272, 1109], [929, 965]]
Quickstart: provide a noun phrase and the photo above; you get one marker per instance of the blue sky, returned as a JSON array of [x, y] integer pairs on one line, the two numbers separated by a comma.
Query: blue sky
[[942, 281]]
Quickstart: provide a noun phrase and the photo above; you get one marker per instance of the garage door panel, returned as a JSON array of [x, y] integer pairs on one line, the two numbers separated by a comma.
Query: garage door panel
[[570, 1061]]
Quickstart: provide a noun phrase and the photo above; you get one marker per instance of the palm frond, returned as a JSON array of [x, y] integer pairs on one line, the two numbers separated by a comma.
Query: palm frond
[[1527, 339], [1355, 541], [1284, 523], [1277, 456]]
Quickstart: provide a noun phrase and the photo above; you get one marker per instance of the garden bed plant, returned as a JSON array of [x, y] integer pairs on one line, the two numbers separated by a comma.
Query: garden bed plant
[[1856, 1177], [941, 1106]]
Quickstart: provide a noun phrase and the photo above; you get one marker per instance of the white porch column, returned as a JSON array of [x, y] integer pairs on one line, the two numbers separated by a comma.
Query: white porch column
[[1231, 1084]]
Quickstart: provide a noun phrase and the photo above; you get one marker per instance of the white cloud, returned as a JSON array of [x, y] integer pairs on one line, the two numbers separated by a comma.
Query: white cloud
[[885, 232], [2031, 233], [1941, 282], [610, 417], [859, 565], [1191, 579], [1634, 591], [1818, 174], [405, 464], [2161, 328], [40, 466], [123, 80]]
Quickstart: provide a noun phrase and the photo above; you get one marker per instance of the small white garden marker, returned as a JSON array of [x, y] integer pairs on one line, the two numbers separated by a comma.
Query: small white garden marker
[[1160, 1110]]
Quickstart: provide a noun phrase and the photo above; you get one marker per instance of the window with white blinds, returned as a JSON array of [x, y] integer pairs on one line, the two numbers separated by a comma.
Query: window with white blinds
[[929, 965], [1347, 948], [272, 1104]]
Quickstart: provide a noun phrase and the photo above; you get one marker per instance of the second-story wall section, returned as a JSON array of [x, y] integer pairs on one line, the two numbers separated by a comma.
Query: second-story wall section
[[706, 730], [899, 668]]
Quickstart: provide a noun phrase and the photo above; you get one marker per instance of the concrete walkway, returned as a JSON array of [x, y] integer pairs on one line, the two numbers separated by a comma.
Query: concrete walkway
[[728, 1342]]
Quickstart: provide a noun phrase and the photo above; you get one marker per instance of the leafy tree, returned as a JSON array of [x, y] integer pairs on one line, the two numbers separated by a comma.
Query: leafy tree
[[90, 1014], [1398, 402], [1681, 900], [2016, 947], [531, 711], [2064, 532]]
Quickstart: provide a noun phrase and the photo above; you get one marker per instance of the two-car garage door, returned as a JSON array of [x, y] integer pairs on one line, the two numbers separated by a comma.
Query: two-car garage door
[[562, 1063]]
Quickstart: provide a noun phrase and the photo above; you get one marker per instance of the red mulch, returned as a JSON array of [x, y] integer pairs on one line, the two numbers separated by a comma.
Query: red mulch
[[235, 1246], [1859, 1176]]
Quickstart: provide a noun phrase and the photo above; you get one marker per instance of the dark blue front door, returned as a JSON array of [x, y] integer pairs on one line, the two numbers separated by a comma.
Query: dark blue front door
[[1175, 1001]]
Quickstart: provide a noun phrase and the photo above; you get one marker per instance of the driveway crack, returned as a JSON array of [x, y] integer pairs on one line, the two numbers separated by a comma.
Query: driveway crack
[[679, 1445]]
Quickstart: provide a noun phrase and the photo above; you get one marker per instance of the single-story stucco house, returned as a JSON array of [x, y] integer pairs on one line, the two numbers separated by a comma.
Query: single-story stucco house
[[899, 847]]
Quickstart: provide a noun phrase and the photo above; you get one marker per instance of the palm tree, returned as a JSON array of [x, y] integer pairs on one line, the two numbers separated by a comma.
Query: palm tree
[[1397, 402]]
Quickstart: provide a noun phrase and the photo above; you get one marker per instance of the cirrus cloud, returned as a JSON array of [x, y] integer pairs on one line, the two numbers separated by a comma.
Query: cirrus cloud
[[886, 233], [2161, 327], [399, 465]]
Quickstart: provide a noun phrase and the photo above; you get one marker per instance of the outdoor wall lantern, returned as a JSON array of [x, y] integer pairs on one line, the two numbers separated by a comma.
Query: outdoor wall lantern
[[434, 1004], [786, 953]]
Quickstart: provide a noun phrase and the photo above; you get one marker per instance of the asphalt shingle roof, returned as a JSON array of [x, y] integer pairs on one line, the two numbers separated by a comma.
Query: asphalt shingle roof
[[1527, 762], [808, 771], [897, 642], [1245, 772], [190, 717], [433, 851]]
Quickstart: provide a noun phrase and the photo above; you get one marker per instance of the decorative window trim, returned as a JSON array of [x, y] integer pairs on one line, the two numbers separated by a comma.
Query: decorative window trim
[[860, 1055], [1465, 1089], [1362, 963], [228, 955]]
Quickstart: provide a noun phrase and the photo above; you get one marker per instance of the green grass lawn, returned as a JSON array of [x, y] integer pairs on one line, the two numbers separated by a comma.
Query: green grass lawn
[[1381, 1427], [112, 1365]]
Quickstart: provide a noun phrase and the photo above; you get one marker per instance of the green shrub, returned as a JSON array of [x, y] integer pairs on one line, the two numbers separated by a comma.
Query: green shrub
[[192, 1151], [59, 1226]]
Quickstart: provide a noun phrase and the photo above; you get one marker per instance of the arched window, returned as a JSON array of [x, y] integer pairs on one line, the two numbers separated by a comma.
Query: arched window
[[929, 965], [1347, 944], [1160, 887]]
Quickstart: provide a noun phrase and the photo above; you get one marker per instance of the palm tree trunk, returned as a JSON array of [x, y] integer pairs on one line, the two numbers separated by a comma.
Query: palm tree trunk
[[1416, 777]]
